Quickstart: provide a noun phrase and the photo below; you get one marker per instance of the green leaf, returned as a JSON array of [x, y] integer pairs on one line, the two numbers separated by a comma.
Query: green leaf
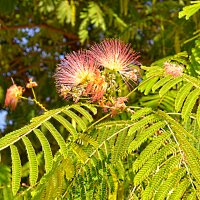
[[76, 118], [48, 157], [66, 124], [58, 137], [144, 135], [171, 182], [190, 10], [169, 85], [137, 125], [181, 96], [154, 145], [85, 113], [189, 103], [180, 190], [161, 82], [16, 169], [198, 115], [33, 165]]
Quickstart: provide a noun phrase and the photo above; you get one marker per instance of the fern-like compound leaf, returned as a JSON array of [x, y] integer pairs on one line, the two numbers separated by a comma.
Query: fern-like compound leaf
[[150, 150], [142, 137], [198, 115], [48, 157], [82, 155], [190, 79], [76, 118], [15, 136], [171, 181], [141, 113], [180, 190], [181, 96], [142, 123], [169, 85], [192, 156], [68, 168], [151, 165], [57, 137], [170, 164], [33, 165], [189, 103], [117, 149], [147, 84], [88, 139], [192, 195], [16, 169], [161, 82], [66, 124], [178, 128], [85, 113]]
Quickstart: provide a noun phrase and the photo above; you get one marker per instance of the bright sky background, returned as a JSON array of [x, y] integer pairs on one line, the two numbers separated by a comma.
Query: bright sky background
[[3, 114]]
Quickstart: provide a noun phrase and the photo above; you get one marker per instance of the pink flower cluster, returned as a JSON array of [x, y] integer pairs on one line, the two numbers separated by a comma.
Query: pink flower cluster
[[173, 69], [12, 96], [82, 74]]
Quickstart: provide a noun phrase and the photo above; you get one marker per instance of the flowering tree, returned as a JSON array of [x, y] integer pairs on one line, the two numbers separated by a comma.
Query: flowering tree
[[125, 131]]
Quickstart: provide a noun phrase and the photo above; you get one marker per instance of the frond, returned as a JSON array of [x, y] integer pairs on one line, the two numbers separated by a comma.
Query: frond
[[144, 135], [81, 154], [192, 156], [16, 169], [198, 115], [181, 96], [118, 151], [41, 126], [48, 157], [186, 92], [155, 144], [161, 174], [66, 12], [141, 113], [151, 165], [146, 85], [76, 118], [161, 82], [165, 102], [180, 190], [93, 14], [171, 181], [66, 124], [57, 137], [190, 79], [189, 103], [142, 123], [169, 85], [33, 165]]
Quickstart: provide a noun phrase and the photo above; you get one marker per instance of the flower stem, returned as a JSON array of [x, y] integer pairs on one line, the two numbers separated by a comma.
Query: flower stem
[[33, 94]]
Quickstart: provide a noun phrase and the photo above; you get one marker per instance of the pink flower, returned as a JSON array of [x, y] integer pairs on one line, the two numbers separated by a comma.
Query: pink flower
[[115, 55], [79, 75], [173, 69], [31, 84], [12, 95], [115, 105]]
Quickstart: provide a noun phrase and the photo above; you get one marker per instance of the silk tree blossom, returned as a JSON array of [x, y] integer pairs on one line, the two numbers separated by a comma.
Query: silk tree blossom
[[12, 96], [115, 106], [78, 75], [117, 56], [174, 69], [31, 84]]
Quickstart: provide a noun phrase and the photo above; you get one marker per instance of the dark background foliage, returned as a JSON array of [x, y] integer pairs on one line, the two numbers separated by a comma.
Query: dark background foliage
[[36, 34]]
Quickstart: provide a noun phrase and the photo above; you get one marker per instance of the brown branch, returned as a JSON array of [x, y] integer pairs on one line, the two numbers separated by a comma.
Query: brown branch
[[45, 26]]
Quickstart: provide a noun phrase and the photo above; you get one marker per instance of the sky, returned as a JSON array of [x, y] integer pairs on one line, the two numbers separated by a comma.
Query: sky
[[3, 114]]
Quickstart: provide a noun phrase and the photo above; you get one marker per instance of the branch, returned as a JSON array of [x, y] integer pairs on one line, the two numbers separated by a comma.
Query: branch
[[45, 26]]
